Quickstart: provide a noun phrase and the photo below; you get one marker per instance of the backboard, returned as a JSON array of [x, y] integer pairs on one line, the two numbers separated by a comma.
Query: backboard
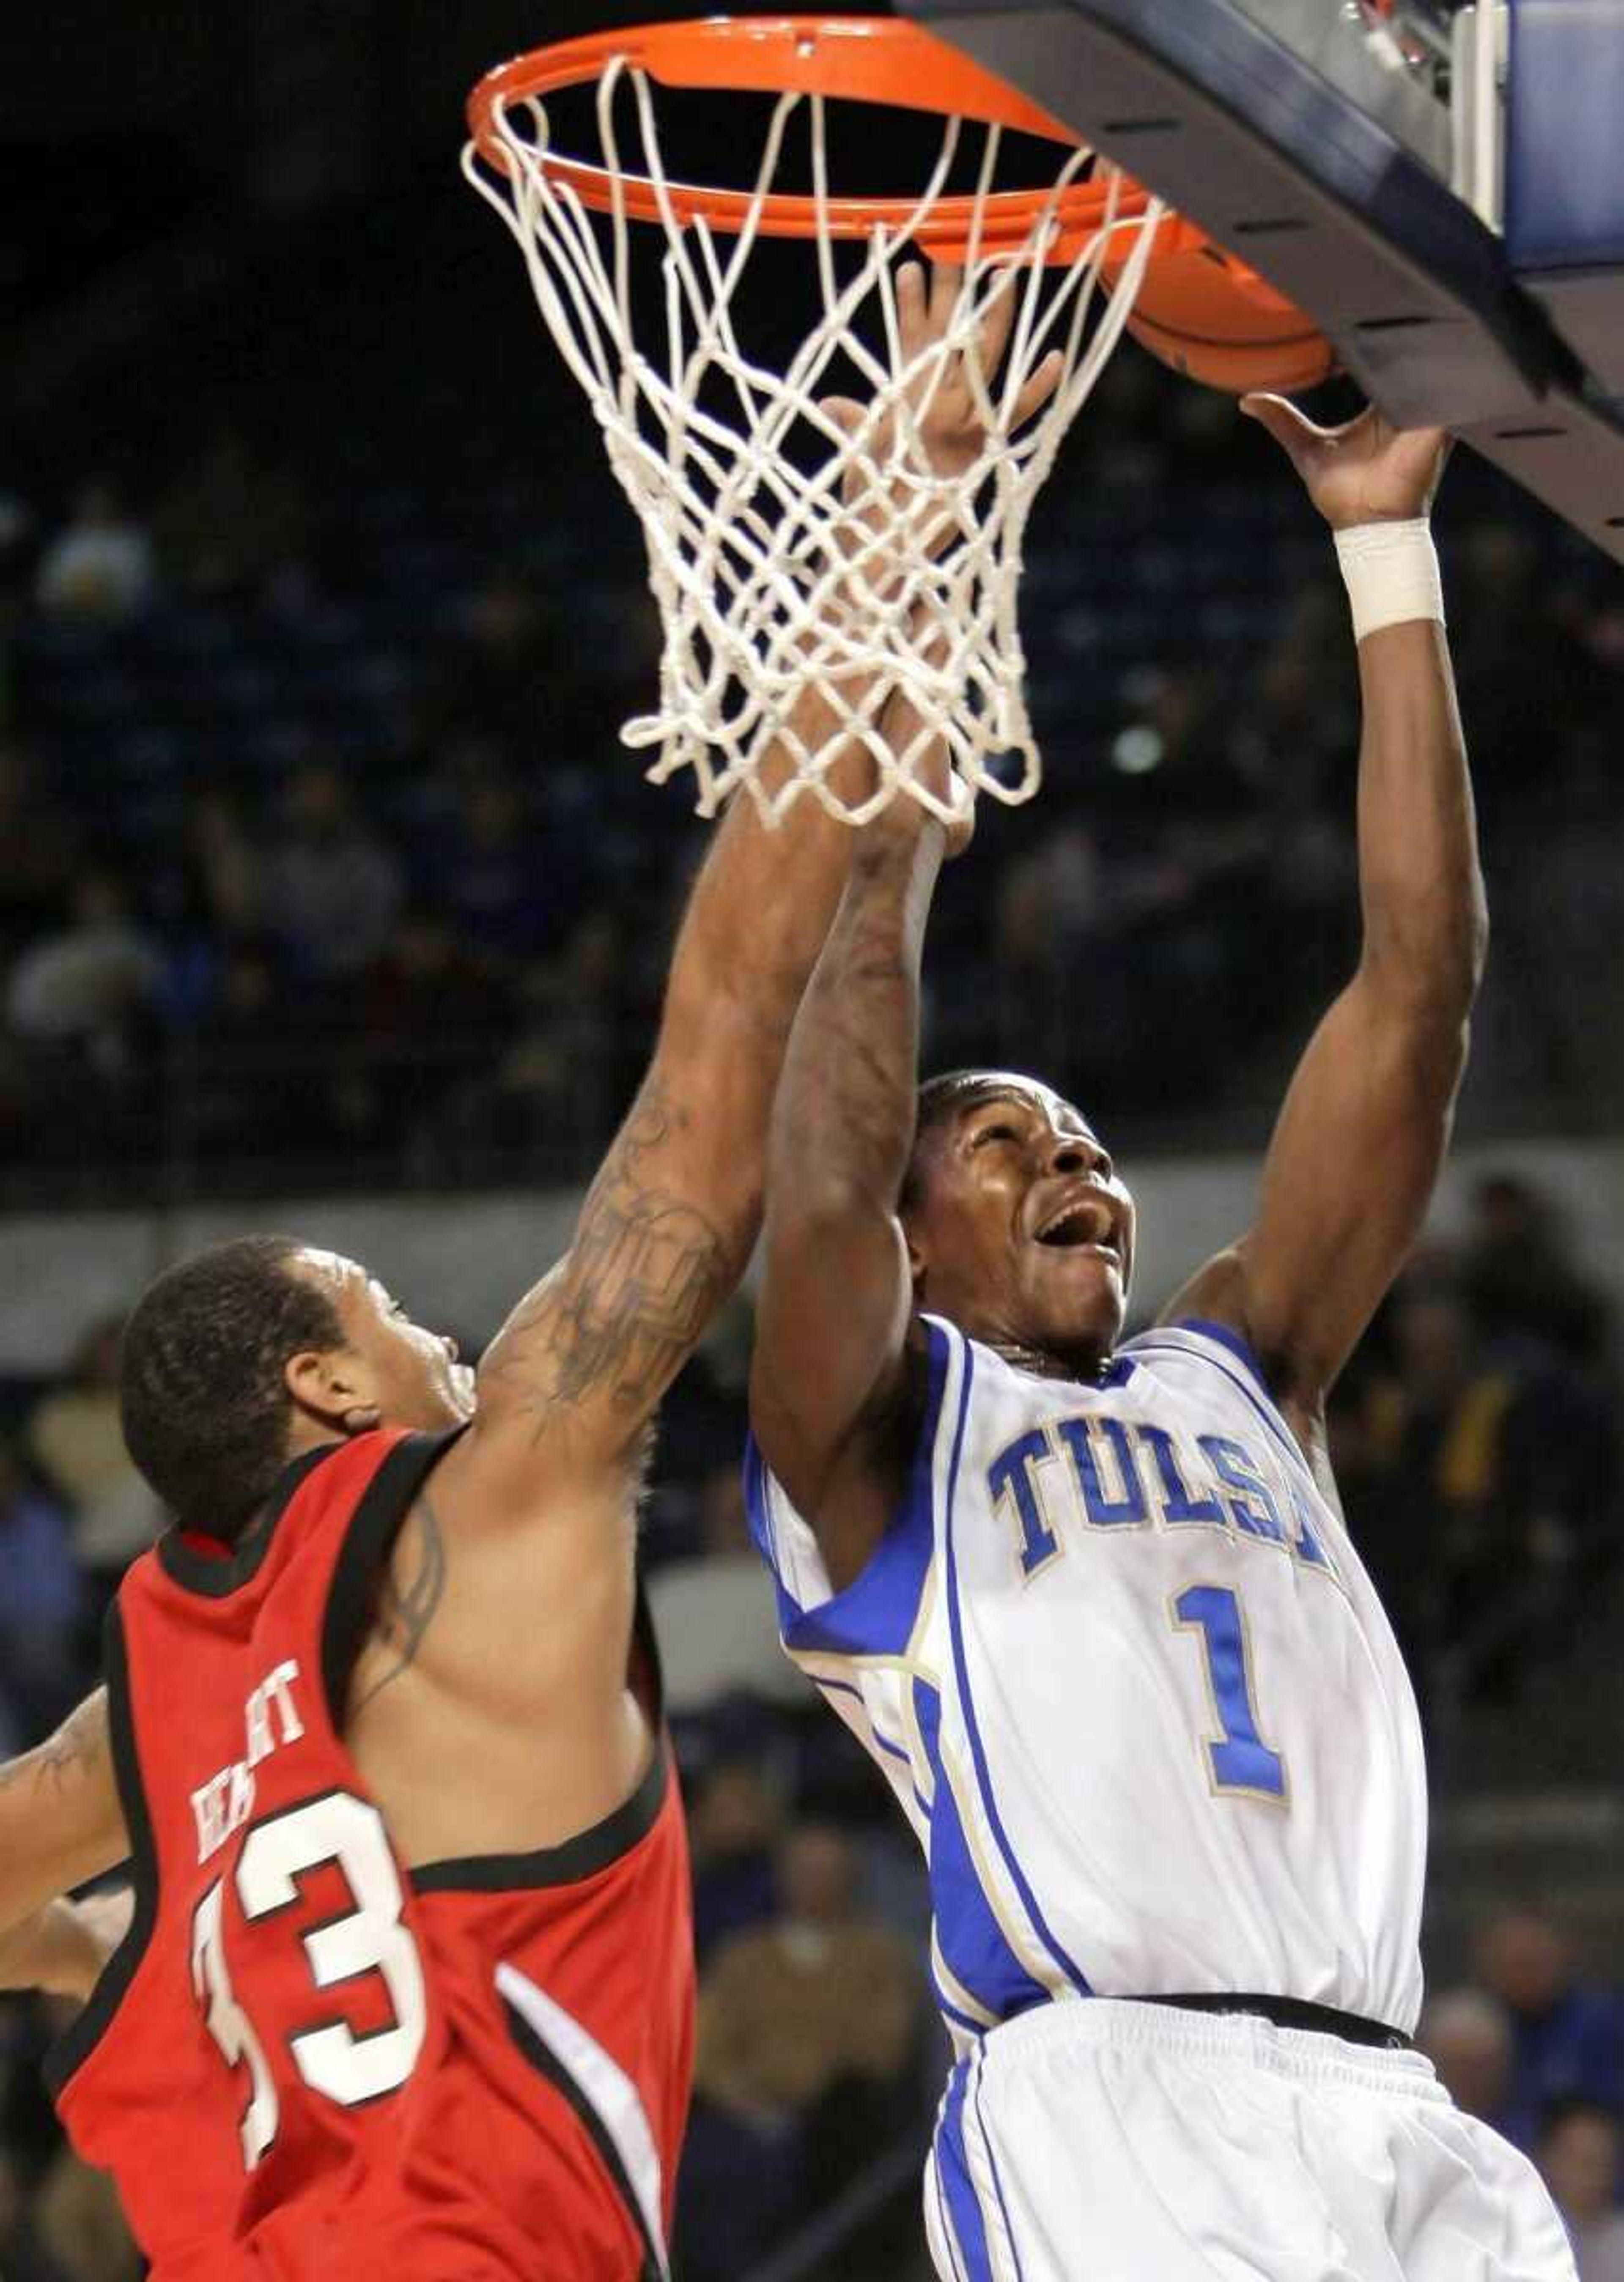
[[1440, 187]]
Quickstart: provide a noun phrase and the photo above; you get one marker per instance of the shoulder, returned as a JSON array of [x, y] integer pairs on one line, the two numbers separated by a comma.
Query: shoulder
[[1217, 1303], [1203, 1361]]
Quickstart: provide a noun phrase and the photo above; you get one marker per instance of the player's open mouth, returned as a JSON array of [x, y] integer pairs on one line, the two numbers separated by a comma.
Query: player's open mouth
[[1083, 1225]]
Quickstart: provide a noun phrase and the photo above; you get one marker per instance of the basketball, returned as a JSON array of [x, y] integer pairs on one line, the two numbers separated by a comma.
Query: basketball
[[1213, 319]]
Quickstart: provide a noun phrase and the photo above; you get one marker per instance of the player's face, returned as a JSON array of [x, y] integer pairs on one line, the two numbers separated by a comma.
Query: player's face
[[409, 1375], [1023, 1234]]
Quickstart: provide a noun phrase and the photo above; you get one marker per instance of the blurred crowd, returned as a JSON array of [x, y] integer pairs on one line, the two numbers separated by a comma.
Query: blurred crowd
[[1535, 2045], [1476, 1436], [319, 867], [319, 852], [1481, 1419]]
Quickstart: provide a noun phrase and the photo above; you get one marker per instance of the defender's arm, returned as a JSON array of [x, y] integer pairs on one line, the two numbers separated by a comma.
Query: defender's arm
[[837, 1303], [60, 1820], [670, 1220], [1357, 1151]]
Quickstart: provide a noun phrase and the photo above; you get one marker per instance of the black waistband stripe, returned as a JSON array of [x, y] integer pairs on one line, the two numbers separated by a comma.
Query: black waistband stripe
[[1293, 2012]]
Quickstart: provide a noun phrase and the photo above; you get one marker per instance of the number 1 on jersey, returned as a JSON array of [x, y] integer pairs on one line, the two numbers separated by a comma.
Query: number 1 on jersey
[[1241, 1761]]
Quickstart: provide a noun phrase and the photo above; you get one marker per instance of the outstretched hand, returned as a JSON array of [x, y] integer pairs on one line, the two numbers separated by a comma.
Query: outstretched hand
[[1364, 471], [948, 399]]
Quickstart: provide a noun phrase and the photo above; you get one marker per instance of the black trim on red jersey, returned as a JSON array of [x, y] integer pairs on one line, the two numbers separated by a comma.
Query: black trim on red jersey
[[549, 2065], [646, 1675], [379, 1515], [214, 1575], [79, 2039], [580, 1857]]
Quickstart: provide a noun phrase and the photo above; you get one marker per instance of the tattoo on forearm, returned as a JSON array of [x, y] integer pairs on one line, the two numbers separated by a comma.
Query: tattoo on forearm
[[414, 1586], [621, 1313], [78, 1747]]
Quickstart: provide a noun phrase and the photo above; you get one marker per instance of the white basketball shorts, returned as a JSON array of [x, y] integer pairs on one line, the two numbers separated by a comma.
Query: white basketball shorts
[[1108, 2141]]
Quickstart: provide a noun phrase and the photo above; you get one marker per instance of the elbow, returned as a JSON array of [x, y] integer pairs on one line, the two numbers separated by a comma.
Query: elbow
[[1474, 949], [1430, 975]]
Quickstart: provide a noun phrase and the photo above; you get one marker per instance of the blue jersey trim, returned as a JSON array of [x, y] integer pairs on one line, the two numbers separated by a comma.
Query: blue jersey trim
[[992, 2165], [850, 1688], [1262, 1401], [951, 2012], [966, 1705], [974, 1947], [953, 2173], [955, 2256], [1226, 1336], [875, 1614]]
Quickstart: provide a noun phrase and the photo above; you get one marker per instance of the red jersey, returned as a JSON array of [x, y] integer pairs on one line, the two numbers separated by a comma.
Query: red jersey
[[306, 2059]]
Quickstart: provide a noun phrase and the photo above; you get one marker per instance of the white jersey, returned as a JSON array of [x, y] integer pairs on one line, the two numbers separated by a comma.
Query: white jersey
[[1132, 1688]]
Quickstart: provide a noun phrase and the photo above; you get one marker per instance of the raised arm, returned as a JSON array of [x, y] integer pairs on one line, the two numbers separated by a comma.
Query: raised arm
[[60, 1821], [830, 1375], [672, 1219], [1356, 1153]]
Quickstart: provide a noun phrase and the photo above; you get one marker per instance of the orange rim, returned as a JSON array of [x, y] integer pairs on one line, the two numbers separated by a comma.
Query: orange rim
[[879, 59], [857, 58]]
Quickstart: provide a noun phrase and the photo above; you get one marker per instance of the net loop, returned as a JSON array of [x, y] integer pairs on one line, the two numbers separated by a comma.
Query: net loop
[[806, 534]]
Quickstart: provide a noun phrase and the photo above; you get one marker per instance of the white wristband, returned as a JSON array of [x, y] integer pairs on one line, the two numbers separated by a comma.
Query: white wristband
[[1391, 572]]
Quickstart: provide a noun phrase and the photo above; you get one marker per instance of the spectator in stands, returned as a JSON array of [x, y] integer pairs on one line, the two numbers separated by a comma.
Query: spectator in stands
[[256, 1075], [568, 1061], [1494, 1470], [100, 564], [23, 2257], [820, 1995], [332, 883], [35, 847], [1567, 2037], [492, 873], [1579, 2150], [78, 2217], [806, 2029], [734, 1828], [1050, 911], [506, 673], [231, 518], [1467, 2034], [718, 1633], [89, 981], [1518, 1279], [41, 1605], [432, 1019], [74, 1438], [206, 900]]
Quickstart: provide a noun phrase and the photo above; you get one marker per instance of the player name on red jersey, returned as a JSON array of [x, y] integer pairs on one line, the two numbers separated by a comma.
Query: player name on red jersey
[[225, 1802]]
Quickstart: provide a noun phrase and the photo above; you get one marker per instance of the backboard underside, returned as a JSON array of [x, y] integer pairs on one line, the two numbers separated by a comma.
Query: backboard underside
[[1331, 178]]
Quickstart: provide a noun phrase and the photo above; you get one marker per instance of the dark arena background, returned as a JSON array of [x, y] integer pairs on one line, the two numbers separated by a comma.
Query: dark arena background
[[328, 899]]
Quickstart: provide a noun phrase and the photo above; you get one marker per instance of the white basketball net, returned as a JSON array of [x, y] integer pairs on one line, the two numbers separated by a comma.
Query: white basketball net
[[869, 575]]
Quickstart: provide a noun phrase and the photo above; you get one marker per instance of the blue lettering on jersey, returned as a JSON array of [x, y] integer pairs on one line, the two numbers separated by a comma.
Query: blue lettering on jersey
[[1253, 1509], [1126, 1474], [1012, 1475], [1306, 1545], [1178, 1505], [1129, 1507]]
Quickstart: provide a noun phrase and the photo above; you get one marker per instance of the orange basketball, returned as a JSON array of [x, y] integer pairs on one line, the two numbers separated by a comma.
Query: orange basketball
[[1214, 318]]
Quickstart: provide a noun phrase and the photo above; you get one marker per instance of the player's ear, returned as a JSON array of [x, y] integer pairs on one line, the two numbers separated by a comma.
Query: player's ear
[[334, 1387], [916, 1259]]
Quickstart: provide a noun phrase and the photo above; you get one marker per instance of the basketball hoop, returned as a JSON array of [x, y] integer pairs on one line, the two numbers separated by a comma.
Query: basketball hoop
[[788, 551]]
